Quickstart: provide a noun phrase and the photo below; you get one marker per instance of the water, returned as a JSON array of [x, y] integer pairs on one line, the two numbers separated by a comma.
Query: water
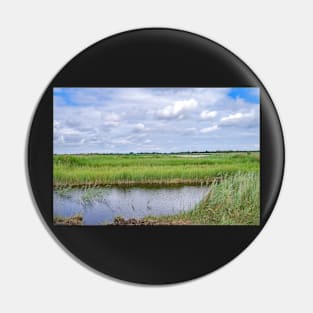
[[102, 205]]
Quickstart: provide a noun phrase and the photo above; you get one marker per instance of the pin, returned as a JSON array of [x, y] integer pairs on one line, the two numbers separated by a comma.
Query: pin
[[155, 156]]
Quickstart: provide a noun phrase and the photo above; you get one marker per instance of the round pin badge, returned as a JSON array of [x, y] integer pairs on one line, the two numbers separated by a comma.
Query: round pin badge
[[155, 156]]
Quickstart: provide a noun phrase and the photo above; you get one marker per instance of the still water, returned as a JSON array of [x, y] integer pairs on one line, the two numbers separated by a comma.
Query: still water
[[102, 205]]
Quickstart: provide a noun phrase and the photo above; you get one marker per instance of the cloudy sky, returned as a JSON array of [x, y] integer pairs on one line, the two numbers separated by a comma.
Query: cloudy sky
[[122, 120]]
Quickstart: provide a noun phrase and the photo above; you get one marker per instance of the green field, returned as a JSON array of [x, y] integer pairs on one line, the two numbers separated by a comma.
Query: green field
[[233, 180], [146, 169]]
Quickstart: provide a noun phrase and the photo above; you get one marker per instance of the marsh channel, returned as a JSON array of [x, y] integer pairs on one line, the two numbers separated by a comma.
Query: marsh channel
[[101, 205]]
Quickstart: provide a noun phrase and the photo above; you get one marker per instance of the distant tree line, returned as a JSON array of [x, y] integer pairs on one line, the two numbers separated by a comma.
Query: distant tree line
[[167, 153]]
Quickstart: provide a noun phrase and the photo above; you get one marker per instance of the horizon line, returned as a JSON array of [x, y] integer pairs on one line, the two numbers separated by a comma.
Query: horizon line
[[179, 152]]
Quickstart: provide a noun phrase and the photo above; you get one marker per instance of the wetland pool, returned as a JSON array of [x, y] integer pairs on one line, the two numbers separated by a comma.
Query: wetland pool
[[101, 205]]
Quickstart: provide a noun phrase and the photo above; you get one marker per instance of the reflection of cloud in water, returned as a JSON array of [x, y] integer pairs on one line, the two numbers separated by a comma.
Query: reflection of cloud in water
[[104, 204]]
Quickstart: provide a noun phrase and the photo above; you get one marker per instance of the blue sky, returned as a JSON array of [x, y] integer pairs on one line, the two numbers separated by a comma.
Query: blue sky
[[123, 120]]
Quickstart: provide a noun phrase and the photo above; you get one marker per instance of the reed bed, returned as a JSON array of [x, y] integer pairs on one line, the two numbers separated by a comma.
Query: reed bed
[[160, 169], [234, 200]]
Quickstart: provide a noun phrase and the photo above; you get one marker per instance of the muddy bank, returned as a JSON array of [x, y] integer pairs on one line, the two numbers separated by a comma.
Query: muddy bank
[[73, 220], [147, 183], [133, 221]]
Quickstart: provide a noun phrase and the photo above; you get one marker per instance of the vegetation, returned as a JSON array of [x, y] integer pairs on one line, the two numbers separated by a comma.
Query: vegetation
[[235, 200], [73, 220], [234, 177], [149, 169]]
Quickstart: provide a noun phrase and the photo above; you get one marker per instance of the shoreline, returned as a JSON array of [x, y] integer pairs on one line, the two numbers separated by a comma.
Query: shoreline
[[153, 183]]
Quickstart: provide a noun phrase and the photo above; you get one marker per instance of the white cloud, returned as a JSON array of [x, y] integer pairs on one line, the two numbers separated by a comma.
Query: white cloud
[[125, 119], [241, 118], [111, 119], [121, 141], [237, 116], [90, 114], [176, 109], [209, 129], [187, 131], [56, 124], [139, 127], [190, 129], [58, 139], [205, 115], [69, 131]]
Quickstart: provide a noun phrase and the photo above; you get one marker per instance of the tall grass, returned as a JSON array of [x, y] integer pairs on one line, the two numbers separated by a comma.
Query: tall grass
[[84, 170], [235, 200]]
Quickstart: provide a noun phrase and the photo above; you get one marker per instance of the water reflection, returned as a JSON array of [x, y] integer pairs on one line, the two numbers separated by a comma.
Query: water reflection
[[102, 205]]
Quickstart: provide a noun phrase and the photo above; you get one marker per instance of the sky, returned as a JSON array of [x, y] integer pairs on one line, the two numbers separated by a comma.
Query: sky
[[163, 120]]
